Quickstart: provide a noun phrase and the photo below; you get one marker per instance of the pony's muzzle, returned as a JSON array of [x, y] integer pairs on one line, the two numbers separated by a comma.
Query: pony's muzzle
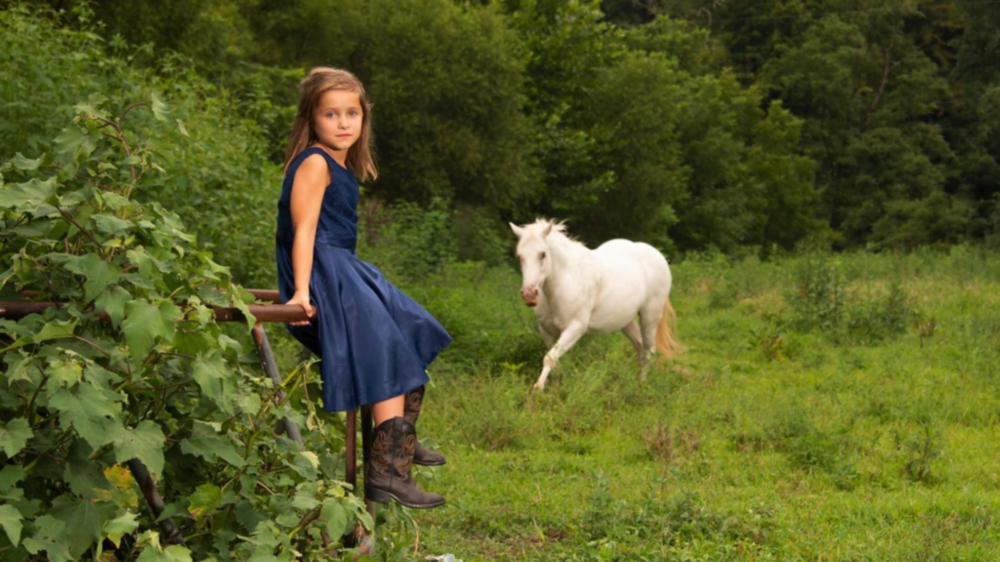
[[530, 296]]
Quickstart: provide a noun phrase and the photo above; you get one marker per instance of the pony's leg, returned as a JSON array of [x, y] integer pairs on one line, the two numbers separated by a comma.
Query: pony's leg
[[547, 337], [567, 339], [649, 318], [633, 334]]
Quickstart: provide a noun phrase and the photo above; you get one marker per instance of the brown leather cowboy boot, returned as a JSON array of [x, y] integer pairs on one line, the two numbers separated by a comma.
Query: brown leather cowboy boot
[[388, 475], [411, 409]]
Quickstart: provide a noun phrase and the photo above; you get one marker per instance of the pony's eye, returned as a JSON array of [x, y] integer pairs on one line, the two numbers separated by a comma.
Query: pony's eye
[[541, 255]]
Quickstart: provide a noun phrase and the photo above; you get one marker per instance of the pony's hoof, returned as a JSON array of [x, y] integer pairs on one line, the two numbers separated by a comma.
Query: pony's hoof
[[538, 387]]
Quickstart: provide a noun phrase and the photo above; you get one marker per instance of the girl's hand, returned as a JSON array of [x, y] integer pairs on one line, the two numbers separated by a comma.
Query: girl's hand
[[302, 299]]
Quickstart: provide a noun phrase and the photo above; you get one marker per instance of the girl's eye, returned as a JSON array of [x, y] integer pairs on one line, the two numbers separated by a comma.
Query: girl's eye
[[353, 114]]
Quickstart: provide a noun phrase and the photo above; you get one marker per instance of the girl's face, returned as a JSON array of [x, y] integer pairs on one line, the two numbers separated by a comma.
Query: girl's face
[[337, 120]]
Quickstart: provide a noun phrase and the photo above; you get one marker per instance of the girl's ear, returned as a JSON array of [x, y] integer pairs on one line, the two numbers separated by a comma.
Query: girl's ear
[[517, 229]]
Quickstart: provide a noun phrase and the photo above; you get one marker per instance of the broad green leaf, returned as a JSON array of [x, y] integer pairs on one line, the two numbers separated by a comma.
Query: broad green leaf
[[97, 375], [83, 475], [335, 516], [173, 553], [304, 465], [181, 128], [50, 536], [84, 518], [15, 436], [27, 196], [99, 273], [91, 411], [304, 500], [17, 370], [249, 403], [50, 331], [9, 476], [144, 322], [205, 498], [145, 443], [112, 200], [10, 520], [216, 381], [90, 107], [109, 224], [242, 307], [288, 519], [19, 162], [71, 139], [148, 267], [64, 373], [113, 303], [115, 529], [160, 110], [54, 330], [205, 443]]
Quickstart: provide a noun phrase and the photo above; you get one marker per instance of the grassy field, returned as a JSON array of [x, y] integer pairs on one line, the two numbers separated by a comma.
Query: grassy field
[[827, 407]]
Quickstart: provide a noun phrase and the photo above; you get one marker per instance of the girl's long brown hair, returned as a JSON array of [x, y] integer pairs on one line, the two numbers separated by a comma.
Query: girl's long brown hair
[[360, 157]]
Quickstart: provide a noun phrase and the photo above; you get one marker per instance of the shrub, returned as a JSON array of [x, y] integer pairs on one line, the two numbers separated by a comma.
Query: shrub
[[210, 168], [132, 368]]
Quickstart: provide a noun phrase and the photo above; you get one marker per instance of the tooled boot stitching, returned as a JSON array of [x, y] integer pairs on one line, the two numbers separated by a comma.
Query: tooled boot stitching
[[388, 475], [405, 457], [412, 403], [411, 408], [380, 448]]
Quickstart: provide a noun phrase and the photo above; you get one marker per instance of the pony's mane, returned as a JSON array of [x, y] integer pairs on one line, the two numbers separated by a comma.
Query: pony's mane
[[559, 227]]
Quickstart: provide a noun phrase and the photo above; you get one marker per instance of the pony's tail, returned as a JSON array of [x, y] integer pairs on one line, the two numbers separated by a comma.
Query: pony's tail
[[666, 344]]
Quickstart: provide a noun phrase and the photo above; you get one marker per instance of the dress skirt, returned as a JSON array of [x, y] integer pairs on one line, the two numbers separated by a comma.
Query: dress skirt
[[374, 342]]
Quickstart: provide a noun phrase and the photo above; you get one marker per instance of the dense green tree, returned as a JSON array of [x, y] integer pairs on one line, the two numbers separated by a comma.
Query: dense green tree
[[448, 91], [215, 174], [869, 96], [641, 137], [503, 106]]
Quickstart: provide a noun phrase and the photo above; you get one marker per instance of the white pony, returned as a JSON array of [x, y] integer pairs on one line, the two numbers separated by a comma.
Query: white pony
[[577, 291]]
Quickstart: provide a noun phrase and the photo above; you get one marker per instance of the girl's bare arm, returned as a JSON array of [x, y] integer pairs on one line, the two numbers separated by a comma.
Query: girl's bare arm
[[308, 187]]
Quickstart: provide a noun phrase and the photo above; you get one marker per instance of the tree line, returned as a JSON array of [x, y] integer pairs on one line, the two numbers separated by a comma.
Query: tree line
[[734, 125]]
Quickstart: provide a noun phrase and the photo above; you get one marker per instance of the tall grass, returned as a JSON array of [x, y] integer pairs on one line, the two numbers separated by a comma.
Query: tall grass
[[866, 435], [783, 432]]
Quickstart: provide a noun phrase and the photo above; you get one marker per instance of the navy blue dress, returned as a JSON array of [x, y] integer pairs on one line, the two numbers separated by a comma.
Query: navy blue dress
[[374, 341]]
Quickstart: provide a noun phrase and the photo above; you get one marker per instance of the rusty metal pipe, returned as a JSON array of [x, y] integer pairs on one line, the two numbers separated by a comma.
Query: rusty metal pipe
[[270, 366], [171, 535], [261, 312]]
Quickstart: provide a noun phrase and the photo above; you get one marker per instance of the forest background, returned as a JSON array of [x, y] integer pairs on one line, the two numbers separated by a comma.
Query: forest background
[[736, 136], [745, 127]]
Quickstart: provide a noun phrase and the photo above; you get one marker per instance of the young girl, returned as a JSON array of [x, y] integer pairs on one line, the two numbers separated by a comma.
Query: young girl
[[374, 341]]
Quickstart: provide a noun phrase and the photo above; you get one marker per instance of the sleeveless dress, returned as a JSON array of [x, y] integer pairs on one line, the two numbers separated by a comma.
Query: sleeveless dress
[[374, 342]]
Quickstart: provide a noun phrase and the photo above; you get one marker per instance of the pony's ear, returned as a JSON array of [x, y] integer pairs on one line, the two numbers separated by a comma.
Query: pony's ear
[[517, 229], [548, 229]]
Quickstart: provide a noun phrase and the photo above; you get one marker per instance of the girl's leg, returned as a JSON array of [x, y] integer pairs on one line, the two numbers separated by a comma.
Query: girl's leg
[[393, 443], [388, 409]]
